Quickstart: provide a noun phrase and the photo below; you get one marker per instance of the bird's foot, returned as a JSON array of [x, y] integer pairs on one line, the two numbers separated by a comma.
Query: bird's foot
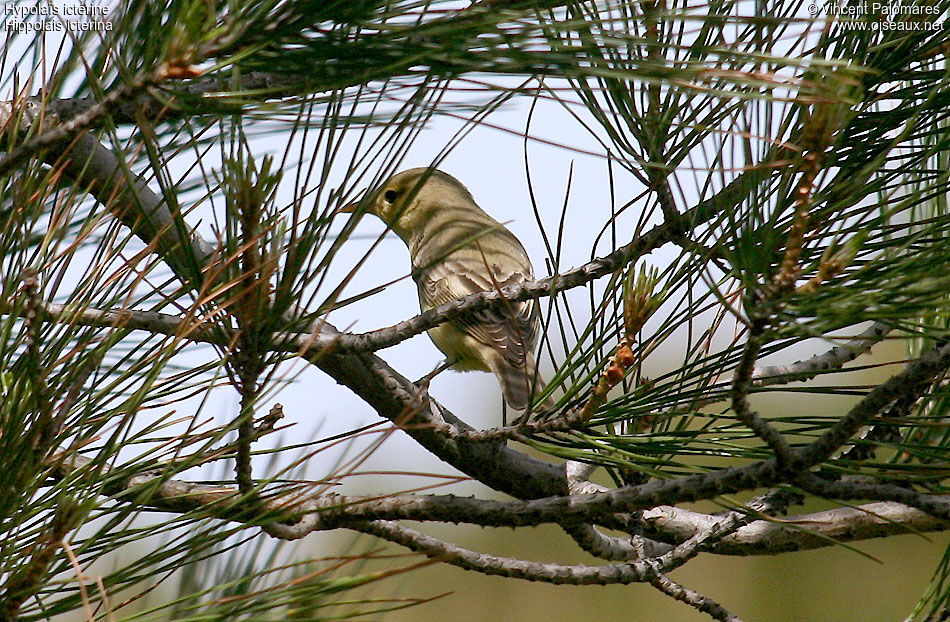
[[425, 380]]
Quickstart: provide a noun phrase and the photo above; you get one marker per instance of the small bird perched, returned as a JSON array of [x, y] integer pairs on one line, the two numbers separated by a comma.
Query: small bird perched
[[457, 249]]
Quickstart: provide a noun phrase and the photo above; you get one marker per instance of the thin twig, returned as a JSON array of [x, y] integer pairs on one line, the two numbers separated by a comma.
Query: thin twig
[[608, 264], [484, 563], [742, 385], [834, 358], [23, 582], [691, 597], [912, 381]]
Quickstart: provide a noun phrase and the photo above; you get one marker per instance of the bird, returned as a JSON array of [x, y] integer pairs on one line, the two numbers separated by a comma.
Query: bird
[[457, 249]]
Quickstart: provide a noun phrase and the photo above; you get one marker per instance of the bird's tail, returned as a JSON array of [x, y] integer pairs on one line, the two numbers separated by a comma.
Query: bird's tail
[[519, 382]]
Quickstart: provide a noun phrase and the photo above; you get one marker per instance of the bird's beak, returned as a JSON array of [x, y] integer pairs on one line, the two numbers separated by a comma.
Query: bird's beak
[[349, 208]]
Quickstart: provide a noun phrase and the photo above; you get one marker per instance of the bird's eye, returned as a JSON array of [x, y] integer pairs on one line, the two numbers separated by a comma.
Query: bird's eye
[[390, 196]]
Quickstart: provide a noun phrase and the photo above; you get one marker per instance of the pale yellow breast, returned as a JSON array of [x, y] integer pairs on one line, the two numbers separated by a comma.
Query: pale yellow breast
[[458, 347]]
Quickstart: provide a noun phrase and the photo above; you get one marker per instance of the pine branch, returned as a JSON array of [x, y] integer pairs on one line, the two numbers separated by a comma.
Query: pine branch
[[295, 513], [691, 597], [484, 563], [835, 358], [159, 106], [911, 382], [733, 194], [796, 532]]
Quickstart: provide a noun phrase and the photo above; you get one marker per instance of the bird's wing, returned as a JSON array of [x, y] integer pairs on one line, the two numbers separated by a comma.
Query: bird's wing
[[511, 329]]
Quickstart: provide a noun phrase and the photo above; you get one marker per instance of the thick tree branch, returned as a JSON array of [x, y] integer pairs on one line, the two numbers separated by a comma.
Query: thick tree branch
[[154, 105], [296, 513], [62, 132], [797, 532], [714, 532], [90, 164], [937, 506]]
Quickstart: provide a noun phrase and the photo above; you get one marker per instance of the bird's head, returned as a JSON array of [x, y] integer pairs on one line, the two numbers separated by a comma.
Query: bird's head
[[408, 199]]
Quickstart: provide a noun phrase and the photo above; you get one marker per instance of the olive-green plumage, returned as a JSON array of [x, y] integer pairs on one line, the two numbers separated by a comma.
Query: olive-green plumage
[[457, 249]]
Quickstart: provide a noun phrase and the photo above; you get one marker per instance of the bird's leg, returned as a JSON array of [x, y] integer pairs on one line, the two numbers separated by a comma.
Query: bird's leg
[[424, 381]]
